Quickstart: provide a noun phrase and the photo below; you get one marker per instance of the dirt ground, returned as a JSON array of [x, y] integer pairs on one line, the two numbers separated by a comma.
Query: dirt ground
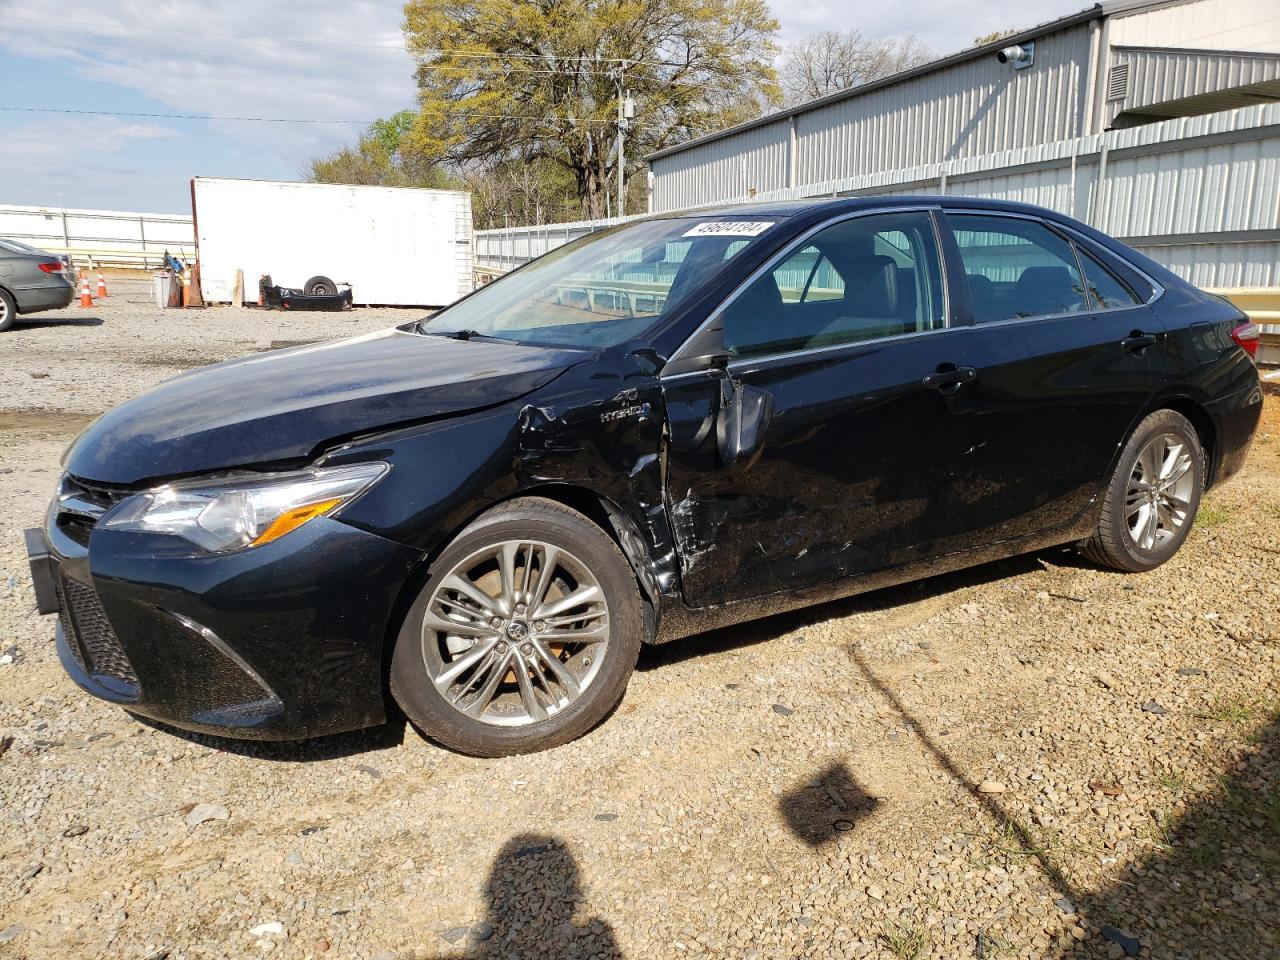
[[1034, 759]]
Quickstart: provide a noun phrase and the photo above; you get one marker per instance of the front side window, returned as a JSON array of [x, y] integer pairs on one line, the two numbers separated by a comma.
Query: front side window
[[605, 289], [1017, 268], [860, 279]]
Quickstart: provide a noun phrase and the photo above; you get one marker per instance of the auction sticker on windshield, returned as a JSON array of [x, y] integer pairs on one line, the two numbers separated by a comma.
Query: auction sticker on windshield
[[730, 228]]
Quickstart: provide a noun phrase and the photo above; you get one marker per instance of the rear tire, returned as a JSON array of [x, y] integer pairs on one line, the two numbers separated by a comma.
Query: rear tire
[[524, 635], [1152, 499], [320, 287], [8, 310]]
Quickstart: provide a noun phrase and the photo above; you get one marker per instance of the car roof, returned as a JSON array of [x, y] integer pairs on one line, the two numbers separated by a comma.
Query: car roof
[[790, 208], [17, 246]]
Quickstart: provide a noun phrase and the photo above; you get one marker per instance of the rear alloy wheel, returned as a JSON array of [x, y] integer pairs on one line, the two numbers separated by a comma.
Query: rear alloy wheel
[[524, 636], [8, 310], [1153, 497]]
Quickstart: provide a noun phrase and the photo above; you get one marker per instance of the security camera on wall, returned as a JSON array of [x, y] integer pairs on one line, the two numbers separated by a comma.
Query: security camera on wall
[[1020, 55]]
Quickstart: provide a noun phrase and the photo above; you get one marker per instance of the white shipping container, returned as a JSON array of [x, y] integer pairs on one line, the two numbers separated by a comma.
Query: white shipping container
[[393, 245]]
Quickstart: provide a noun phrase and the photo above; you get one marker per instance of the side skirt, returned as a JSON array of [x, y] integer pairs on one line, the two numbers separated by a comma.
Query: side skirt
[[679, 621]]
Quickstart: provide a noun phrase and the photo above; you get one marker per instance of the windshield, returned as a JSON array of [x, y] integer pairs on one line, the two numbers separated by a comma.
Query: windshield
[[13, 246], [605, 289]]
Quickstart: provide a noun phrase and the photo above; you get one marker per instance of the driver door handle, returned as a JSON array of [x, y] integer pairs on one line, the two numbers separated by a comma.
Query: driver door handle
[[949, 381]]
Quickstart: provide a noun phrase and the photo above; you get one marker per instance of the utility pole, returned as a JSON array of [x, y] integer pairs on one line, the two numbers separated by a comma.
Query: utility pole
[[626, 111]]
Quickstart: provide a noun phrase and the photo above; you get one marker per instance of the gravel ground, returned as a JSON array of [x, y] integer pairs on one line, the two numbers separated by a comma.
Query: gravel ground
[[1034, 759]]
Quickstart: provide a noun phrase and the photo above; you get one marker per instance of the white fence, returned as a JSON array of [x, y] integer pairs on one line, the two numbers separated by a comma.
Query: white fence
[[114, 237], [1199, 194], [507, 247]]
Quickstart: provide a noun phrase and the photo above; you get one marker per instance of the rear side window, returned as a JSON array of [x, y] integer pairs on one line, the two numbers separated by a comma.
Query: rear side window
[[1108, 292], [1017, 268], [861, 279]]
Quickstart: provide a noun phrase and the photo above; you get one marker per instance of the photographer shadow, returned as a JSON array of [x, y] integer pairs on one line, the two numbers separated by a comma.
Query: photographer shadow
[[534, 908]]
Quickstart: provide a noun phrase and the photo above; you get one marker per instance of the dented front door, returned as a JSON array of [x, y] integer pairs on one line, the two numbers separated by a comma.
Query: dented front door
[[860, 465]]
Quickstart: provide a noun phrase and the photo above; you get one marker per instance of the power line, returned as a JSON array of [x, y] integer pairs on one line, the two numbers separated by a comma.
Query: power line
[[142, 46], [42, 23], [200, 116], [391, 48]]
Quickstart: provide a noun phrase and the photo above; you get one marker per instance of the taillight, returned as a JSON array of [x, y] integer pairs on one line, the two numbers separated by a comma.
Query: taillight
[[1247, 336], [51, 267]]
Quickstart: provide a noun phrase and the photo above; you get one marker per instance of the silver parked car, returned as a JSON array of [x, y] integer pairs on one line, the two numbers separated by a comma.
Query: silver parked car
[[31, 280]]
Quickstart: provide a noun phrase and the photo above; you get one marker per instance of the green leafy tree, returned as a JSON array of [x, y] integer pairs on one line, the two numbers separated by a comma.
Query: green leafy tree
[[378, 159], [509, 82]]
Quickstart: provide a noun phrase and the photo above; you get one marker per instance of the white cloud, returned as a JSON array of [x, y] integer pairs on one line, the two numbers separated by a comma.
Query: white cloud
[[320, 60], [76, 161], [325, 59], [947, 26]]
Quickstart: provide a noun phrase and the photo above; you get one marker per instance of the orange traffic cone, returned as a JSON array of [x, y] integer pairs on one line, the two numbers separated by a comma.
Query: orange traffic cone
[[86, 300], [102, 285]]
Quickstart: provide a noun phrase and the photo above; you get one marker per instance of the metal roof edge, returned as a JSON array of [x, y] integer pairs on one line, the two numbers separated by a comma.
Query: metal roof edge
[[1098, 11], [1198, 51]]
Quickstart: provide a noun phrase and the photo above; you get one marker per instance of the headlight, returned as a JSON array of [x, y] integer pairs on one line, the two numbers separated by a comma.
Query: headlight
[[245, 512]]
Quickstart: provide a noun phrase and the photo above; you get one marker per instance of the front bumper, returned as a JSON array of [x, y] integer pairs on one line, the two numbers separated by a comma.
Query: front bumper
[[52, 296], [281, 642]]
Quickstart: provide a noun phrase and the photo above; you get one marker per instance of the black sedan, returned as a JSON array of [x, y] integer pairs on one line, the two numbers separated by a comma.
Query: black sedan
[[669, 426]]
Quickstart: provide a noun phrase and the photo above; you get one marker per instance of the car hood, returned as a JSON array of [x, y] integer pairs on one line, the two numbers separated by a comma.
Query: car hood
[[284, 405]]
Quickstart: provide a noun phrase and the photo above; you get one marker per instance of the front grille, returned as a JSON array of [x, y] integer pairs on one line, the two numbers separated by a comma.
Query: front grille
[[80, 504], [103, 498], [68, 630], [92, 632]]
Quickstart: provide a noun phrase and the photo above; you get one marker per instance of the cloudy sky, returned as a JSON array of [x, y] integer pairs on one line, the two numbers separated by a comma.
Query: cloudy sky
[[327, 60]]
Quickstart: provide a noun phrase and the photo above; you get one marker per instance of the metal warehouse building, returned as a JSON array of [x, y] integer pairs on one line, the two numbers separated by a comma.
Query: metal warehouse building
[[1157, 121]]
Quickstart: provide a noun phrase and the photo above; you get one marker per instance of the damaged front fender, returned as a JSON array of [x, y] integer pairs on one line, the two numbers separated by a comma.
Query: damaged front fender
[[585, 441]]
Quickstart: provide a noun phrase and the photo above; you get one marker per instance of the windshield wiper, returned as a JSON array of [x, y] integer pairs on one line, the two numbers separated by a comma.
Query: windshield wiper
[[463, 335]]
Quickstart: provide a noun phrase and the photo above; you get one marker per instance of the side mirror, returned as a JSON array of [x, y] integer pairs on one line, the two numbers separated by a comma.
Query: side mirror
[[742, 422]]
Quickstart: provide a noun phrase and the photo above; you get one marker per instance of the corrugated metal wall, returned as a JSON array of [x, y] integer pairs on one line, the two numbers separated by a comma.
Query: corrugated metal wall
[[1159, 76], [971, 109], [1198, 194], [1207, 24], [753, 160]]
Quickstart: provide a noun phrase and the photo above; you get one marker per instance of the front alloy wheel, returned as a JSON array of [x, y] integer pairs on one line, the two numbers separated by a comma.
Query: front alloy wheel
[[515, 633], [524, 635]]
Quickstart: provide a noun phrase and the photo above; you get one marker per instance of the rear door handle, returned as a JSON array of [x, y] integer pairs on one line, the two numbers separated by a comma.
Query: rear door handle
[[1138, 341], [951, 379]]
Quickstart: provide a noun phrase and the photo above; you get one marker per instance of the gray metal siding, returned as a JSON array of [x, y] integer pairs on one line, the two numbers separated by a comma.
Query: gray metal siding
[[970, 109], [1189, 190], [736, 167], [1220, 266], [1160, 76], [1198, 194], [1206, 24]]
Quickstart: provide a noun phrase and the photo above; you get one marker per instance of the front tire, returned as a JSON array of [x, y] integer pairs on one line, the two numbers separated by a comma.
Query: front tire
[[524, 635], [1152, 499]]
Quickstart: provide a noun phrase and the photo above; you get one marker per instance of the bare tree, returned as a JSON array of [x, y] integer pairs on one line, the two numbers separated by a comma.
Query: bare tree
[[839, 59]]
